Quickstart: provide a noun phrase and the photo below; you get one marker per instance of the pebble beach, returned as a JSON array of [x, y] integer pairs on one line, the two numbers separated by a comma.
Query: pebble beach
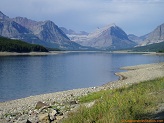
[[23, 110]]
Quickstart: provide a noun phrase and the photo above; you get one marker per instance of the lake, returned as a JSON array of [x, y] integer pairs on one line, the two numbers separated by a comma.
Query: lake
[[22, 76]]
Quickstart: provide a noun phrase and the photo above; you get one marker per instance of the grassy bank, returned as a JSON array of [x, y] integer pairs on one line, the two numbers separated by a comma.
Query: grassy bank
[[136, 102]]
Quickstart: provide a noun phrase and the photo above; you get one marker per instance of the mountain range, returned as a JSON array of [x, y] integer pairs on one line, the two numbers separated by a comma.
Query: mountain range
[[48, 34], [113, 37], [45, 33]]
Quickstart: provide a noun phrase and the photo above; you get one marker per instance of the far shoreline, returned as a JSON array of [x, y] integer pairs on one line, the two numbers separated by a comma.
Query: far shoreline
[[60, 52], [31, 53]]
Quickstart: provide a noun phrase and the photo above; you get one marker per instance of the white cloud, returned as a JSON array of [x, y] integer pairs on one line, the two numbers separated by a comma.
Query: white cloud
[[134, 16]]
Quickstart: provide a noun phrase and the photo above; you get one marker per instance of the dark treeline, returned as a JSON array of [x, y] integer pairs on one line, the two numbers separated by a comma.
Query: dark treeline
[[10, 45]]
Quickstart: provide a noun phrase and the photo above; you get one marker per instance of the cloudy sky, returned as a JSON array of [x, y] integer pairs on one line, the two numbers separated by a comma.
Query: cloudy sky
[[133, 16]]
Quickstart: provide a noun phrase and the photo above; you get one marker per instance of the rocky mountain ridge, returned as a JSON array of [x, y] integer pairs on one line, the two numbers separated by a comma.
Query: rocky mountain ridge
[[45, 33], [156, 36], [108, 37]]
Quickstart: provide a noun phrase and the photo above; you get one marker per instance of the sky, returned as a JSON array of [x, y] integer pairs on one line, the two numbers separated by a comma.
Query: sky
[[137, 17]]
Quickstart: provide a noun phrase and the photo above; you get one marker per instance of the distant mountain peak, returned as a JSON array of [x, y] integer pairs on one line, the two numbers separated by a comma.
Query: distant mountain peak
[[110, 25], [48, 21], [107, 37], [106, 27], [102, 30]]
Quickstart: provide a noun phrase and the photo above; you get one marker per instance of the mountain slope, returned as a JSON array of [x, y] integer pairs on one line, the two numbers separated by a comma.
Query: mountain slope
[[46, 31], [108, 37], [155, 36], [12, 29]]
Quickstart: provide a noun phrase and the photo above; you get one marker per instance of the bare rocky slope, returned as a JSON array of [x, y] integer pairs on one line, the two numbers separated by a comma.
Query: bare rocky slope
[[156, 36]]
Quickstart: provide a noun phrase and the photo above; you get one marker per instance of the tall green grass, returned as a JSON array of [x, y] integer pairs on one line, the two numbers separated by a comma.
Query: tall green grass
[[136, 102]]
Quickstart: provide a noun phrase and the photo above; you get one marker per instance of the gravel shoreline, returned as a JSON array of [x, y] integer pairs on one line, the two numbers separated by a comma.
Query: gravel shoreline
[[135, 74]]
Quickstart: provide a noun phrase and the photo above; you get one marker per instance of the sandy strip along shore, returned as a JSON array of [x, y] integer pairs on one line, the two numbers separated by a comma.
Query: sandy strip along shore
[[31, 53], [134, 74]]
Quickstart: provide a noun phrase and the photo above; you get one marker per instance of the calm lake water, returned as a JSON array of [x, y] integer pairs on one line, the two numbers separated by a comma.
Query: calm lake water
[[22, 76]]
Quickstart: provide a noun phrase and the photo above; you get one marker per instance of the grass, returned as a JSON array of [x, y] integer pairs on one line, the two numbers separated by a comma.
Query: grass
[[136, 102]]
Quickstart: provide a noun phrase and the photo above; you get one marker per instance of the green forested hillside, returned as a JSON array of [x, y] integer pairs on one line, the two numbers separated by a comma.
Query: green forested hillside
[[157, 47], [10, 45]]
